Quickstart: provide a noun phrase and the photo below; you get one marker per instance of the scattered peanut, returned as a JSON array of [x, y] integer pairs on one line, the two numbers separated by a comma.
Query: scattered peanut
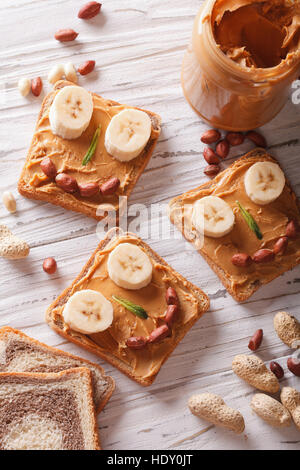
[[89, 10], [257, 139], [270, 410], [212, 408], [56, 73], [70, 72], [36, 86], [210, 156], [87, 67], [211, 136], [287, 328], [88, 189], [293, 364], [263, 256], [136, 342], [9, 201], [281, 245], [292, 229], [255, 373], [212, 170], [110, 187], [159, 334], [290, 398], [48, 167], [49, 265], [223, 148], [66, 182], [171, 296], [256, 340], [24, 86], [171, 314], [235, 138], [65, 35], [277, 369], [242, 260], [12, 247]]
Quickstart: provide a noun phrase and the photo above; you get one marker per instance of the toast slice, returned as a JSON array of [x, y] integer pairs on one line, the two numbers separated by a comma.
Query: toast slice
[[242, 282], [20, 353], [48, 411], [67, 155], [140, 365]]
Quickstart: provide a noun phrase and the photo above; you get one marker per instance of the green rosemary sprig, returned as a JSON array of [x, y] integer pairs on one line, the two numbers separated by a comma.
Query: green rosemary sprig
[[250, 221], [92, 148], [136, 309]]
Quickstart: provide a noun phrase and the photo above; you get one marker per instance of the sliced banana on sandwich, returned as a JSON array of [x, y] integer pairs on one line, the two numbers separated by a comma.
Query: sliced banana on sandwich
[[128, 134], [213, 217], [129, 267], [264, 182], [88, 311], [71, 112]]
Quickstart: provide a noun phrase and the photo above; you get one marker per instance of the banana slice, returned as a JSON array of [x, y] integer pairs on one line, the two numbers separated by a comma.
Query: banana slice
[[264, 182], [88, 311], [129, 267], [213, 217], [128, 134], [71, 112]]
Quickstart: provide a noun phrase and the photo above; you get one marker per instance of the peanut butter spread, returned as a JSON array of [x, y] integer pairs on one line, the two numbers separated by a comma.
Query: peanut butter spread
[[146, 362], [258, 34], [67, 155], [272, 220]]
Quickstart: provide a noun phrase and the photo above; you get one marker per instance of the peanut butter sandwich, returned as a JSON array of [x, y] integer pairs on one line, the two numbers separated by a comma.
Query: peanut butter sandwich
[[244, 222], [128, 306], [87, 151]]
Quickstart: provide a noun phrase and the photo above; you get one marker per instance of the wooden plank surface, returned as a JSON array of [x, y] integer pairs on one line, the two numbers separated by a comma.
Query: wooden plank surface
[[138, 46]]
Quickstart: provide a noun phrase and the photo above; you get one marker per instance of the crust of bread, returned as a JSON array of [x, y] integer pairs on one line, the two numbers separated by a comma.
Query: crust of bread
[[64, 199], [257, 155], [110, 380], [85, 342], [83, 371]]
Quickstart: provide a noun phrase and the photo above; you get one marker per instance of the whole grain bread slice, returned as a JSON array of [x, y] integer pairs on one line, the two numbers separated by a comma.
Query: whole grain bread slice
[[56, 322], [52, 411], [20, 353]]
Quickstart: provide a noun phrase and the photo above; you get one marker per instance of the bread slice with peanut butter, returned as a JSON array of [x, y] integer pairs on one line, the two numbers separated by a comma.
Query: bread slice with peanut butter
[[63, 172], [148, 322], [264, 241]]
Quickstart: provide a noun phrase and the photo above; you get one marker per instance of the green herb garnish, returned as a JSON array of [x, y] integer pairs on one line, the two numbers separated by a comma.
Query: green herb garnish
[[92, 148], [136, 309], [250, 221]]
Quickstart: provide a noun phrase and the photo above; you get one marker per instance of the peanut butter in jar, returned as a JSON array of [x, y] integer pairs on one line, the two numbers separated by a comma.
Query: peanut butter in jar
[[242, 59]]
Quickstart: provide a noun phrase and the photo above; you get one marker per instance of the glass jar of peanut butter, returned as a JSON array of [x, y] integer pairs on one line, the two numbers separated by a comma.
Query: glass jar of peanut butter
[[242, 59]]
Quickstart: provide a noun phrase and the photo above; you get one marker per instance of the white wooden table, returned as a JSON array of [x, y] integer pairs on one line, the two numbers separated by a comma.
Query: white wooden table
[[138, 46]]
